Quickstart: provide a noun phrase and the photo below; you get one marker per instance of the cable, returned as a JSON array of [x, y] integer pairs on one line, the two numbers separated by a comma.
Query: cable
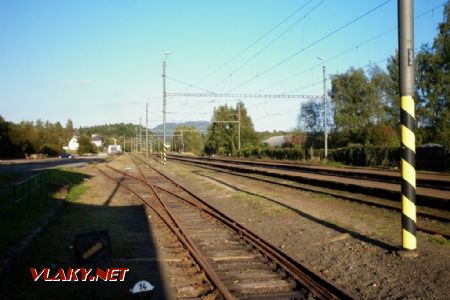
[[188, 84], [348, 50], [311, 45], [271, 42], [253, 43]]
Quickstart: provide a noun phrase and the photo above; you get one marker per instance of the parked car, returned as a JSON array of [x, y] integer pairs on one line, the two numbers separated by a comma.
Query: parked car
[[66, 155]]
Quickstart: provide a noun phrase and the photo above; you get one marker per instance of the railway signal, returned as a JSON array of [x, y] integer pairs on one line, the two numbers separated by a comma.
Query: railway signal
[[407, 119]]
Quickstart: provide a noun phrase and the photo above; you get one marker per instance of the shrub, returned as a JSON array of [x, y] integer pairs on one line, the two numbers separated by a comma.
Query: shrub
[[367, 156], [50, 150]]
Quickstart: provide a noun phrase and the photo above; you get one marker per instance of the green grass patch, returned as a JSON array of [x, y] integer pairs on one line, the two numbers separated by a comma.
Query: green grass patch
[[332, 163], [439, 241], [19, 218]]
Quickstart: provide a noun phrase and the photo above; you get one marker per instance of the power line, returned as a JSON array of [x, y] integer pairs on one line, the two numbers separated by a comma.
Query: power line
[[189, 84], [253, 43], [375, 37], [311, 45], [271, 42], [229, 95]]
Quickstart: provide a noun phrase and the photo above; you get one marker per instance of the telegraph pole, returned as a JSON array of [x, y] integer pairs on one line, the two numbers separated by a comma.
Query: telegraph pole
[[182, 141], [135, 139], [325, 129], [146, 129], [164, 101], [408, 123], [239, 125], [140, 135], [163, 161]]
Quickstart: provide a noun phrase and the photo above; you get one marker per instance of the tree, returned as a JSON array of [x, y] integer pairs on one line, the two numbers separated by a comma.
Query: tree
[[187, 139], [85, 145], [310, 117], [361, 100], [433, 85], [7, 148], [222, 136], [68, 131]]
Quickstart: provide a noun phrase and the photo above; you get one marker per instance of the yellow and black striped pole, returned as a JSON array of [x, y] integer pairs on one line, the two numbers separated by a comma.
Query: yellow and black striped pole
[[164, 158], [407, 119]]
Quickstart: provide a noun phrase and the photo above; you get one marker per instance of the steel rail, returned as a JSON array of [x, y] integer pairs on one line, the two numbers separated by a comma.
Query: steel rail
[[315, 283], [347, 172], [314, 189], [186, 241], [349, 198], [337, 195]]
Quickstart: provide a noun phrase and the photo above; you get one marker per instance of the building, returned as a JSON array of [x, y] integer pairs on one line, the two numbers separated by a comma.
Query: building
[[97, 140], [277, 141], [114, 149], [73, 144]]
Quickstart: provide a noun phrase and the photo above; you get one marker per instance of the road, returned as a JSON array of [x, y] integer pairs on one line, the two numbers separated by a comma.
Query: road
[[27, 166]]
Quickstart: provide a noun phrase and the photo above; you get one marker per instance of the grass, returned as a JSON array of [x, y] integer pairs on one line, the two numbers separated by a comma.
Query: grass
[[18, 218], [439, 241]]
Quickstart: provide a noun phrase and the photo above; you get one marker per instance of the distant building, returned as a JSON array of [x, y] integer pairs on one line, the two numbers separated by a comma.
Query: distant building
[[277, 141], [114, 149], [73, 144], [97, 140]]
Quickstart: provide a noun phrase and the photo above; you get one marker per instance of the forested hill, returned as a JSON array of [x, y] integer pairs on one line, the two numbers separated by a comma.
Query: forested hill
[[110, 130], [202, 126], [128, 129]]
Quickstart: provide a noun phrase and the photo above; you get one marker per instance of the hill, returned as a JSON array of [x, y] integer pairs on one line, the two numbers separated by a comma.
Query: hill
[[202, 126]]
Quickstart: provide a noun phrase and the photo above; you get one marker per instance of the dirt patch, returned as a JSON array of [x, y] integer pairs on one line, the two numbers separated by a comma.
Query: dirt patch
[[353, 245]]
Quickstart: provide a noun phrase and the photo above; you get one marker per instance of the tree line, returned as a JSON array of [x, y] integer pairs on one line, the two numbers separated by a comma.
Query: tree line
[[364, 106], [29, 137]]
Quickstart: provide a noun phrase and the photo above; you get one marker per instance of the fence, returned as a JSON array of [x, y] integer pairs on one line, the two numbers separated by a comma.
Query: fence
[[27, 187]]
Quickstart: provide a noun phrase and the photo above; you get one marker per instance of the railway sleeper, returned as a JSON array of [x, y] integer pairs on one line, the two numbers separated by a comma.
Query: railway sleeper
[[261, 287]]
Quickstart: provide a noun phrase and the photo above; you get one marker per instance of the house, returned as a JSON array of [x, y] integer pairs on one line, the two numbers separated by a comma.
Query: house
[[73, 144], [277, 141], [114, 149], [97, 140]]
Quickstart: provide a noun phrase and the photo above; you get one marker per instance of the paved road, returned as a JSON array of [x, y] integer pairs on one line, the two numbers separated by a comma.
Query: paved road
[[24, 166]]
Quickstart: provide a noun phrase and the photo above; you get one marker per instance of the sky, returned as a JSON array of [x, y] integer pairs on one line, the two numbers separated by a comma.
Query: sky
[[99, 62]]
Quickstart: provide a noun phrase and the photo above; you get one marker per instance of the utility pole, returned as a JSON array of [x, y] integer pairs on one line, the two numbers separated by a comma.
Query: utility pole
[[146, 129], [239, 125], [325, 129], [140, 135], [164, 104], [408, 123], [135, 139], [182, 141]]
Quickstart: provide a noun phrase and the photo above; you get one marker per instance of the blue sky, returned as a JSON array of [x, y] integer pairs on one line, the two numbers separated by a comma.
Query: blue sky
[[99, 62]]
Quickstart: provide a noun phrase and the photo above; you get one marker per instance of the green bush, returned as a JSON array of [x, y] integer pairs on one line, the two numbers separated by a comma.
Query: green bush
[[367, 156], [294, 153], [50, 150]]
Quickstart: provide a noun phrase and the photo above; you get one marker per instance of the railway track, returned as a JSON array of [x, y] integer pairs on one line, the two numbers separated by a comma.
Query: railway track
[[422, 212], [426, 196], [229, 261], [428, 180]]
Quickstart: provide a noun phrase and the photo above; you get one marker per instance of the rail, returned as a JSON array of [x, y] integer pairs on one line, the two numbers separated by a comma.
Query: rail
[[318, 285]]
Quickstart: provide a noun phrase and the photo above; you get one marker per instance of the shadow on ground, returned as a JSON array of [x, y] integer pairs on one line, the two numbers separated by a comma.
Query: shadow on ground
[[132, 244], [309, 217]]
